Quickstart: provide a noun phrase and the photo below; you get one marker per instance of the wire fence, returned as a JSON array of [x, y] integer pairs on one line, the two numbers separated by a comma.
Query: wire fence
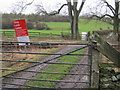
[[39, 35]]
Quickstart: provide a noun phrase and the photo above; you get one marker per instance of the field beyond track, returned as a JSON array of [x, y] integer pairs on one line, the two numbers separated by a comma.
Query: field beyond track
[[85, 25]]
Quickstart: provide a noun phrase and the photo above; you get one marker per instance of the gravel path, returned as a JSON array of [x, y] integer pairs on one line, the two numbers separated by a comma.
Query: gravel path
[[39, 68]]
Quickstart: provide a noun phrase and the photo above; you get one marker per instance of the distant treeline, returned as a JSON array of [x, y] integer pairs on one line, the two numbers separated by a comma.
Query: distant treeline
[[33, 21]]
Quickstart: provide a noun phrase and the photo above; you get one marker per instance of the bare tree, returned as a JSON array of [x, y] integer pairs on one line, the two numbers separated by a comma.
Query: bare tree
[[73, 14], [21, 6], [114, 16]]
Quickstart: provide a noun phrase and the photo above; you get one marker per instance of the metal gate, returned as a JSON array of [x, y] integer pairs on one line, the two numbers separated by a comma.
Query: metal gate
[[18, 78]]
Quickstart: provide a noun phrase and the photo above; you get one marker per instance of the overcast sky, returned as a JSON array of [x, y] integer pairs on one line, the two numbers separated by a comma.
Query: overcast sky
[[49, 5]]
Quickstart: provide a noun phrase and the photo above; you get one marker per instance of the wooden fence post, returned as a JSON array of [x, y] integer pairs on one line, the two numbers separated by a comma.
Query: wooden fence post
[[61, 34], [39, 35], [3, 33], [94, 72], [95, 69], [50, 35]]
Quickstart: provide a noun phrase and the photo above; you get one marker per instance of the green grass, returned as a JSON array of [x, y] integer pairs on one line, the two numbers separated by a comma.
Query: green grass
[[55, 68], [58, 27], [84, 25], [92, 25]]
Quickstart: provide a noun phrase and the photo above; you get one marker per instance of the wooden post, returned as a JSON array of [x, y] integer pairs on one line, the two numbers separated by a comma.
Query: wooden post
[[39, 35], [50, 35], [61, 34], [25, 48], [3, 33], [14, 34], [94, 69], [12, 49], [107, 50]]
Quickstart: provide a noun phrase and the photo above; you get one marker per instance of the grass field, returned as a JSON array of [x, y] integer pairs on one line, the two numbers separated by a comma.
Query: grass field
[[84, 26]]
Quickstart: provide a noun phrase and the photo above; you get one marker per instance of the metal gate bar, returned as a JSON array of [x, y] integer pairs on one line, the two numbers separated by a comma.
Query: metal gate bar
[[50, 43], [66, 81], [41, 62], [47, 62], [45, 72], [42, 53], [26, 85]]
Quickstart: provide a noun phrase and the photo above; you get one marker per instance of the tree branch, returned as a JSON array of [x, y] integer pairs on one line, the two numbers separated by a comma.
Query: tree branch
[[107, 22], [30, 3], [81, 6], [70, 8], [25, 6], [75, 8], [61, 7], [55, 12], [110, 7], [102, 16]]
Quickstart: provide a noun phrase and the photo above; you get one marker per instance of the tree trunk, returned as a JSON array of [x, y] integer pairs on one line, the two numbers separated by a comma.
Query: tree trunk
[[75, 21], [116, 24], [116, 19], [71, 18], [74, 15], [116, 28], [71, 27], [75, 28]]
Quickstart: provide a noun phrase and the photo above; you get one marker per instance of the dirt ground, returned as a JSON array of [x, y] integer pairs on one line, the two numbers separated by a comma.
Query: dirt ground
[[37, 40]]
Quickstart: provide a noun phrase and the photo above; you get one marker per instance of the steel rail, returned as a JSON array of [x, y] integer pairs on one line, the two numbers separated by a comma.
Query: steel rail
[[24, 86], [47, 72], [46, 62], [47, 43], [42, 53], [65, 81]]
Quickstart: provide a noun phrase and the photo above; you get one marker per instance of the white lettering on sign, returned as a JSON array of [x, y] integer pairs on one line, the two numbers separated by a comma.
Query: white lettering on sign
[[17, 25], [16, 22]]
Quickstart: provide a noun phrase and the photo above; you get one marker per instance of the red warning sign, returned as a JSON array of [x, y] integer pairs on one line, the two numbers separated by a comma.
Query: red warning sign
[[20, 28]]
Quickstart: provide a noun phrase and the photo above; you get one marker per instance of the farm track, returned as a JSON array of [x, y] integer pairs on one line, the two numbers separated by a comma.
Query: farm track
[[82, 78], [36, 68]]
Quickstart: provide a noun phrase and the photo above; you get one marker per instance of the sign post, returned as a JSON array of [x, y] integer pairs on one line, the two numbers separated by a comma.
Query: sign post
[[21, 31]]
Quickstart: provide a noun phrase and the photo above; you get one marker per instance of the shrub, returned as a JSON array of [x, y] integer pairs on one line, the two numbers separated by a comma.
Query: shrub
[[7, 25], [30, 25], [42, 26]]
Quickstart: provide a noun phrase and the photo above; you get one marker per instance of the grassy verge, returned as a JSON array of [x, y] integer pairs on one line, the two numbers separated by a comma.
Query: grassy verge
[[56, 68], [23, 64]]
